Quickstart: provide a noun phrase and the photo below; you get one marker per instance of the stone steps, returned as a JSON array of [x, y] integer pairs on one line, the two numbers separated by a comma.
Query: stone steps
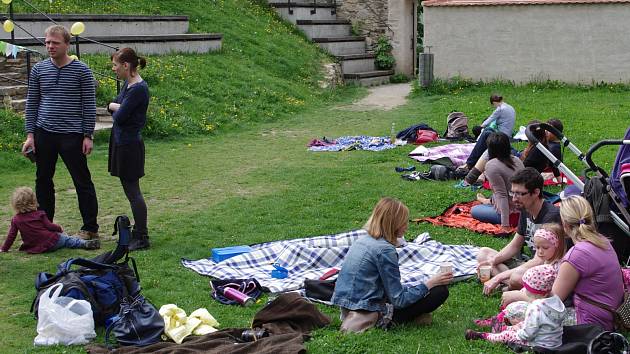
[[95, 25], [324, 28], [318, 20], [371, 78]]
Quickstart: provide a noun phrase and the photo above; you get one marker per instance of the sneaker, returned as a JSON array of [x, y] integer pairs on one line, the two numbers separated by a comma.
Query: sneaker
[[424, 319], [473, 335], [92, 244], [461, 185], [86, 235]]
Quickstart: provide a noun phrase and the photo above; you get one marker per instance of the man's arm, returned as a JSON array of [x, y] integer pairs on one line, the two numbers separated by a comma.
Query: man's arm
[[32, 108], [510, 250], [88, 96]]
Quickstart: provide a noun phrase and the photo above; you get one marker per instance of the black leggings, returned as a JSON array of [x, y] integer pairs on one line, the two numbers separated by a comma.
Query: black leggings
[[138, 206], [436, 297]]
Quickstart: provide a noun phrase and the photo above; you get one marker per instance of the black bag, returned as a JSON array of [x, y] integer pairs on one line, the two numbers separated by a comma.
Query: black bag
[[249, 287], [319, 289], [138, 323]]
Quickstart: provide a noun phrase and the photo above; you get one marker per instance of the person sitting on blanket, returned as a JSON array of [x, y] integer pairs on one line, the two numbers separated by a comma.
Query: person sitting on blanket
[[542, 325], [501, 120], [499, 169], [550, 244], [526, 192], [531, 155], [369, 291]]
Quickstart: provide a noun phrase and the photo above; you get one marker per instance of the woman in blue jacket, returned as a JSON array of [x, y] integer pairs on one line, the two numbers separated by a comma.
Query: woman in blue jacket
[[126, 148], [368, 288]]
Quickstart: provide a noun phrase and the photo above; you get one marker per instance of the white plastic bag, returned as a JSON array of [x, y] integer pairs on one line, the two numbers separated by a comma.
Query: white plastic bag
[[63, 320]]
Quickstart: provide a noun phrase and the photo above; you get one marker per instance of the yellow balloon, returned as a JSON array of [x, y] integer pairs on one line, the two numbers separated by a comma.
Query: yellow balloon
[[8, 26], [74, 57], [77, 28], [6, 1]]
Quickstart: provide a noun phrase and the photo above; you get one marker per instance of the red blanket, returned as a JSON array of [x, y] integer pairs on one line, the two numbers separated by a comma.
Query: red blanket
[[458, 215]]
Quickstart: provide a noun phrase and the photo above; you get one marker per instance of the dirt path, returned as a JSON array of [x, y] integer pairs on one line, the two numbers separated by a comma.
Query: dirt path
[[384, 97]]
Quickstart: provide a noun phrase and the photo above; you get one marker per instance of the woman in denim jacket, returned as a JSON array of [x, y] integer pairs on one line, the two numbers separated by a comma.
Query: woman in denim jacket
[[368, 288]]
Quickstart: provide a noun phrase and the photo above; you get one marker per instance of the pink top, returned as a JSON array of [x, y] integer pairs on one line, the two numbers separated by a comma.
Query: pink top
[[38, 233], [600, 280]]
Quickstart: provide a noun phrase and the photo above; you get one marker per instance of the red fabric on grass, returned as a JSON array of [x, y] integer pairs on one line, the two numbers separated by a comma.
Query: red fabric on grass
[[458, 216]]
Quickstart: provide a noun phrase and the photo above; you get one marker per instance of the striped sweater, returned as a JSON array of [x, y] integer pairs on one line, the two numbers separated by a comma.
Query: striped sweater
[[61, 100]]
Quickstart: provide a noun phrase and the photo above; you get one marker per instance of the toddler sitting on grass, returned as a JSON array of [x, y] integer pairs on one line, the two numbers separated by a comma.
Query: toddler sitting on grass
[[39, 235]]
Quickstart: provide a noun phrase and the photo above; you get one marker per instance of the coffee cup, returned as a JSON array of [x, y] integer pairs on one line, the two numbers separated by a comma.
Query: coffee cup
[[485, 273], [446, 267]]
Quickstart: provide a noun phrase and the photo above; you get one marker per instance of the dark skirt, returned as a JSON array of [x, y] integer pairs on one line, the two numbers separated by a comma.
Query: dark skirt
[[126, 161]]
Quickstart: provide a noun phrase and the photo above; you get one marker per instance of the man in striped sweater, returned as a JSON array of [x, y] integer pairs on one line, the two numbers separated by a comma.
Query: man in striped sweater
[[60, 119]]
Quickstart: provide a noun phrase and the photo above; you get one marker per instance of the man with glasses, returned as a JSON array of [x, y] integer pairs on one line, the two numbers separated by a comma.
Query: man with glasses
[[527, 188]]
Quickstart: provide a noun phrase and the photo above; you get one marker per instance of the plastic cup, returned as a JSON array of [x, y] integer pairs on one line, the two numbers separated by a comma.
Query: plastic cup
[[485, 272], [446, 267]]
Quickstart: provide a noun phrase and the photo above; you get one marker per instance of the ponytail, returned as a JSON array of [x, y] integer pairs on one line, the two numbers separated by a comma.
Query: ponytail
[[128, 55], [142, 62]]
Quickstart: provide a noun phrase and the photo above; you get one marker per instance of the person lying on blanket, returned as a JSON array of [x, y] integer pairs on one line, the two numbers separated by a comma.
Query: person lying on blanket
[[369, 291], [526, 193]]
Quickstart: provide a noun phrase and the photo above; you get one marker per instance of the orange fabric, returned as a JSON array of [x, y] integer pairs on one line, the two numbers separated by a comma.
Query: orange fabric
[[458, 216]]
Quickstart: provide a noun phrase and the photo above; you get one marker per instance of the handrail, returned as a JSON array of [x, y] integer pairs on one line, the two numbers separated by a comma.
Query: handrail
[[39, 11], [314, 10], [333, 11], [290, 7], [14, 80], [22, 28]]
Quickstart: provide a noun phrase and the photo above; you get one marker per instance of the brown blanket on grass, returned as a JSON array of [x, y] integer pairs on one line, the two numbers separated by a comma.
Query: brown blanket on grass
[[289, 319]]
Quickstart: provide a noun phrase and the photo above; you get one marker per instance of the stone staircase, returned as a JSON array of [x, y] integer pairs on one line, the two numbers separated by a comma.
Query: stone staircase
[[320, 24], [150, 34]]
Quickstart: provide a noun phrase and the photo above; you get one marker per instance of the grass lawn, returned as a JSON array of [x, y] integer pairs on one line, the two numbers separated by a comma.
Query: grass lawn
[[260, 184]]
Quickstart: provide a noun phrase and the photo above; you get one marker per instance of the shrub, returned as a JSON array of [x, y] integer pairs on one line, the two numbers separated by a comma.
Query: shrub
[[383, 50]]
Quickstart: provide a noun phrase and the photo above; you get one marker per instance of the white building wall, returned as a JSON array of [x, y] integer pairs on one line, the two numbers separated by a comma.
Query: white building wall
[[578, 43]]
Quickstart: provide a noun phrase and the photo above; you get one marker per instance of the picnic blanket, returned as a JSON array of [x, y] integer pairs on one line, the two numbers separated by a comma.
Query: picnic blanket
[[457, 153], [348, 143], [458, 216], [309, 258]]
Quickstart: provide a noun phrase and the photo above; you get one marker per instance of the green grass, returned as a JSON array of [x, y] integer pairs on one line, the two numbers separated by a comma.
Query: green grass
[[260, 184], [265, 70]]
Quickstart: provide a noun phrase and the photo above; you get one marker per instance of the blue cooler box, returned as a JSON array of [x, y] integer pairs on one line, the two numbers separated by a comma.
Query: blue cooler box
[[221, 254]]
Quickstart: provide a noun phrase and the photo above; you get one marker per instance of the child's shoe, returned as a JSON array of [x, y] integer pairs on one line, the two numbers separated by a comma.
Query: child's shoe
[[92, 244], [473, 335]]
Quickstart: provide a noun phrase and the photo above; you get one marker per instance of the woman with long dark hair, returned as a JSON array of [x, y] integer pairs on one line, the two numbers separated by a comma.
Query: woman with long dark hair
[[501, 166]]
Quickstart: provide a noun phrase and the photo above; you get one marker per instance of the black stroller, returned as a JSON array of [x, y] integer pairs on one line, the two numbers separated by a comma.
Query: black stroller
[[612, 217]]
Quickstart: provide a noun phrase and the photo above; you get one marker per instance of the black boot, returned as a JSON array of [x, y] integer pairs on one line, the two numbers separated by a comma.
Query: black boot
[[139, 241]]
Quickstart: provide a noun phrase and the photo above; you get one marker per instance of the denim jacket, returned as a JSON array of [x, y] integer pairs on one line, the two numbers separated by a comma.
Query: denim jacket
[[370, 277]]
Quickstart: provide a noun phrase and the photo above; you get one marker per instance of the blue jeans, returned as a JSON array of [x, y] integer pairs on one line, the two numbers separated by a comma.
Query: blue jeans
[[478, 150], [485, 213], [66, 241]]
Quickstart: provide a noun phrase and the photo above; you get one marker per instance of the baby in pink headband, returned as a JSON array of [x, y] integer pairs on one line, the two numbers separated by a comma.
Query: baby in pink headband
[[542, 325]]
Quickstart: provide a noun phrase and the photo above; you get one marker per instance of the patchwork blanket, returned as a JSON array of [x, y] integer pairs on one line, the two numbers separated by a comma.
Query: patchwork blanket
[[309, 258], [457, 153], [458, 216], [347, 143]]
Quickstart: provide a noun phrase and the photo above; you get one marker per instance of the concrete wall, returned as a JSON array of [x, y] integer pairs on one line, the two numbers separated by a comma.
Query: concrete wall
[[402, 21], [577, 43]]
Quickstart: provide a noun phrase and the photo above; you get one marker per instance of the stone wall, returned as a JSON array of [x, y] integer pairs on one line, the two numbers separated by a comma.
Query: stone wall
[[393, 18], [369, 18]]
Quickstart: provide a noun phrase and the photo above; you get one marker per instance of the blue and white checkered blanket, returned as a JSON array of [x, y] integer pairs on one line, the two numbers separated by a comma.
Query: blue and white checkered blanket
[[309, 258]]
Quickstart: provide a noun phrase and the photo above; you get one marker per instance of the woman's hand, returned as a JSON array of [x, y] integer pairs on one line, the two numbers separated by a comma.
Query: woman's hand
[[439, 279], [490, 285]]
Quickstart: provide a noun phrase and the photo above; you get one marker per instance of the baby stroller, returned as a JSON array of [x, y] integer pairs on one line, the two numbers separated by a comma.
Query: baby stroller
[[610, 204]]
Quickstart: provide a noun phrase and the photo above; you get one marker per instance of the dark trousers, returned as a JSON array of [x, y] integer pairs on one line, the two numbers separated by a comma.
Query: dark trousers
[[436, 297], [138, 206], [478, 150], [48, 146]]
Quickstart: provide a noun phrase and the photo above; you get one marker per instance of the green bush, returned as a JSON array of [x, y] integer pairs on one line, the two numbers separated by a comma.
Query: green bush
[[398, 78], [383, 50], [11, 131]]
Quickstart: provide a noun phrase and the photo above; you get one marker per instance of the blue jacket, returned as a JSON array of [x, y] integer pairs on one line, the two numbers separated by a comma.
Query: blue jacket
[[131, 117], [370, 277]]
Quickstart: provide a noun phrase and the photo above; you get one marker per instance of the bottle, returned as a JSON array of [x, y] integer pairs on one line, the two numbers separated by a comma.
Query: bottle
[[392, 135], [237, 296]]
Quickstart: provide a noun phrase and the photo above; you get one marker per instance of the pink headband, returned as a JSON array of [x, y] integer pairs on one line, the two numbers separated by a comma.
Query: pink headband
[[532, 290], [547, 235]]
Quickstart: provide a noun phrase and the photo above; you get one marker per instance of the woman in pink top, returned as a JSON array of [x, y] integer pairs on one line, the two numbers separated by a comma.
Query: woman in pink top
[[590, 269]]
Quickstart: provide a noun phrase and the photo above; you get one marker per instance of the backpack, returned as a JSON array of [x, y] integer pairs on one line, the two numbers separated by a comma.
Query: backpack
[[456, 126], [101, 281]]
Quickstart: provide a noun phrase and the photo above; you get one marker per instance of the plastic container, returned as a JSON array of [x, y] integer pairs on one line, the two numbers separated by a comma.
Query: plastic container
[[221, 254], [238, 296]]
